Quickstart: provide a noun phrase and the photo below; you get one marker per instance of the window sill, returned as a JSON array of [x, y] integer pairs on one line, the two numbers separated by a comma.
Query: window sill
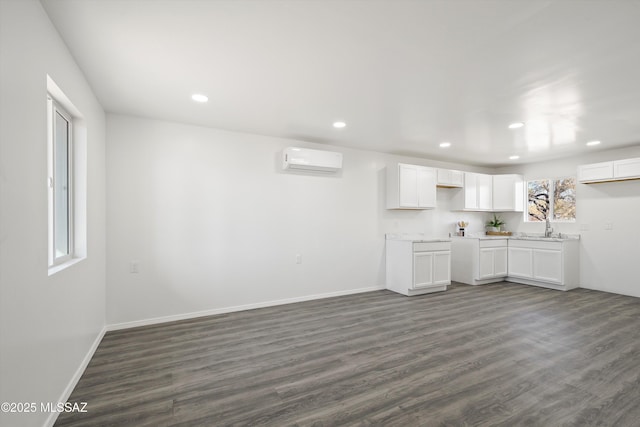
[[57, 268]]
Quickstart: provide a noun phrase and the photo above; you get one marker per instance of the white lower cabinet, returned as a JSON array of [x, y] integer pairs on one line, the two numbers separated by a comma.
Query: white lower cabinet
[[477, 261], [431, 268], [547, 265], [520, 262], [552, 264], [415, 268], [492, 263]]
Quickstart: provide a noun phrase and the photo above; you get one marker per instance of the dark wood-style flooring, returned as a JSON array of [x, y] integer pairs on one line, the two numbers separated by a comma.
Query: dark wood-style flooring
[[493, 355]]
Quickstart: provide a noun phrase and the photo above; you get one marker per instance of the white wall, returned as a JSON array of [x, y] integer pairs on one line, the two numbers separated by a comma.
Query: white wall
[[608, 258], [47, 324], [215, 223]]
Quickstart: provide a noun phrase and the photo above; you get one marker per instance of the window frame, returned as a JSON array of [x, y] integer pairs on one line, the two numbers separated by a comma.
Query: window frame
[[552, 200], [54, 108]]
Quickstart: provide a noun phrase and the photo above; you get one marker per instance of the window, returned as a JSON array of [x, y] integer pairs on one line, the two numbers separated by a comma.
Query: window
[[551, 198], [67, 148], [60, 154]]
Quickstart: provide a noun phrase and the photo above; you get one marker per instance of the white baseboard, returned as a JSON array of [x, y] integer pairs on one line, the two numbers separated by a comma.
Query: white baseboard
[[53, 416], [173, 318]]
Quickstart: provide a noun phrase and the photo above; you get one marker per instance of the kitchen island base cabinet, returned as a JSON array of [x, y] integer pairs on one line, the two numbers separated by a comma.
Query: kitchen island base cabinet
[[553, 265], [415, 268]]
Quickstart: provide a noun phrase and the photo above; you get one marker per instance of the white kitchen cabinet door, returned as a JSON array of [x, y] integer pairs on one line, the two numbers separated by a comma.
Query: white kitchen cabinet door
[[478, 189], [595, 172], [492, 262], [431, 268], [411, 187], [485, 191], [508, 193], [408, 185], [626, 169], [450, 178], [423, 269], [500, 258], [426, 187], [521, 262], [486, 263], [547, 265], [470, 190], [441, 268]]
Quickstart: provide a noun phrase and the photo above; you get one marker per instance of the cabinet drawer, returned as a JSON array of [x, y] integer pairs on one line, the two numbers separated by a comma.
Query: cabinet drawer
[[431, 246], [498, 243]]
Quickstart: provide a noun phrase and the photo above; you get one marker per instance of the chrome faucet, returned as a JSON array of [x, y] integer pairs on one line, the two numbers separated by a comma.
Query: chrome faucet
[[547, 228]]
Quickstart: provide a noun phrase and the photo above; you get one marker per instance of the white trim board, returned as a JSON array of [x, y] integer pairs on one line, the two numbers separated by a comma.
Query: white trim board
[[66, 393], [175, 317]]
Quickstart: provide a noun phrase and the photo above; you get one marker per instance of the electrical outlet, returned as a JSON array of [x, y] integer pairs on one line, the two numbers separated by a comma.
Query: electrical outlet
[[584, 227], [134, 267], [608, 226], [298, 259]]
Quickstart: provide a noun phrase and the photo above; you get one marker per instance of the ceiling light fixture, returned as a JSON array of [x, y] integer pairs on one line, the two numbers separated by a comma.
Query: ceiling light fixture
[[516, 125], [198, 97], [514, 157], [445, 144], [592, 143], [339, 125]]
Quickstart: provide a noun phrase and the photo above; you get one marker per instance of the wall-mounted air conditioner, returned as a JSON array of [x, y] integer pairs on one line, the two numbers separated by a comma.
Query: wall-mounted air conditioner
[[311, 160]]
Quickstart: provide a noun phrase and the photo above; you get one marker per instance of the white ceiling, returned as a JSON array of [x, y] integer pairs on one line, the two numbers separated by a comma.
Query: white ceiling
[[404, 75]]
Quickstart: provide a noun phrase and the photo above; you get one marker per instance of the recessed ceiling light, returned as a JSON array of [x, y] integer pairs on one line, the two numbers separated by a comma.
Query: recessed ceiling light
[[516, 125], [339, 125], [198, 97], [514, 157], [445, 144], [592, 143]]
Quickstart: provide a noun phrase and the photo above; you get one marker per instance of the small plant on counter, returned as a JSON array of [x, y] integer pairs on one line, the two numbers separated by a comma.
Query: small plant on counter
[[495, 223]]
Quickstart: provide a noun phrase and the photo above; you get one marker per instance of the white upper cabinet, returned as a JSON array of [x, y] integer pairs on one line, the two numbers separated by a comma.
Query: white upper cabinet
[[477, 194], [450, 178], [426, 187], [616, 170], [485, 191], [595, 172], [470, 191], [508, 193], [411, 187], [626, 169]]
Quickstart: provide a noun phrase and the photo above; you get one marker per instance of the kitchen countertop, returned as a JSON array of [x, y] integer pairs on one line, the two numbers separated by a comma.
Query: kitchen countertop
[[523, 236], [415, 237]]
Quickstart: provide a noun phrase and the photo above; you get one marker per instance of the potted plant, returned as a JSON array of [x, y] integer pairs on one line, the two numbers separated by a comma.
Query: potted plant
[[495, 223]]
